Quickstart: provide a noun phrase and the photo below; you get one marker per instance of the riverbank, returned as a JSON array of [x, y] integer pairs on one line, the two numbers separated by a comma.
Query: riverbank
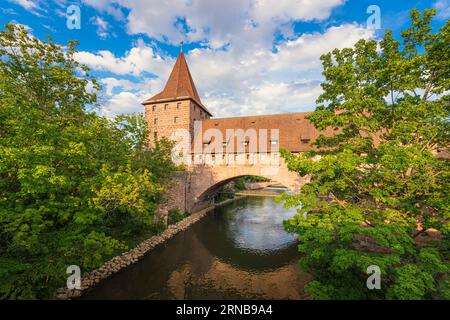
[[118, 263], [258, 193]]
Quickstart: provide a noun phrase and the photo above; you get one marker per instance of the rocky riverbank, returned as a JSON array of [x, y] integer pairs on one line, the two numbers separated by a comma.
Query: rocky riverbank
[[118, 263]]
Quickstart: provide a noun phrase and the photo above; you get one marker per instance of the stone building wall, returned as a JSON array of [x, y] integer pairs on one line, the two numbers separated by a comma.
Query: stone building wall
[[177, 195]]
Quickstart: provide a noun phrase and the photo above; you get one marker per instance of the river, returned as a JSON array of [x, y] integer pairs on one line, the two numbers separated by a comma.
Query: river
[[238, 251]]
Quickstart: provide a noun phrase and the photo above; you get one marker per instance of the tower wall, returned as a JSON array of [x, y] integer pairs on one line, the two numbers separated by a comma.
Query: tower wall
[[169, 117], [186, 112]]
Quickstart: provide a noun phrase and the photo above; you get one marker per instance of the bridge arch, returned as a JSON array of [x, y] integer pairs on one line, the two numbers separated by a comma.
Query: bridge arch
[[205, 179], [210, 191]]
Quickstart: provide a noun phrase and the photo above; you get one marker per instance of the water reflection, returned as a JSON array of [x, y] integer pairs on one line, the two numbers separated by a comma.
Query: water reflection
[[253, 229], [239, 251]]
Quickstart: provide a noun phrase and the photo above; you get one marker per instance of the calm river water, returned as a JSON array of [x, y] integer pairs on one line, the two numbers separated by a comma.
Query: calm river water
[[238, 251]]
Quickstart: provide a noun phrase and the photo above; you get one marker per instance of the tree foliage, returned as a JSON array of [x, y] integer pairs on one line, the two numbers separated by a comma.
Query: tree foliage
[[379, 188], [74, 186]]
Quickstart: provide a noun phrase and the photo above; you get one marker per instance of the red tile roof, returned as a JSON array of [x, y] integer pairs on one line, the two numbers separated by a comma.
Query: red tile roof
[[179, 85], [296, 133]]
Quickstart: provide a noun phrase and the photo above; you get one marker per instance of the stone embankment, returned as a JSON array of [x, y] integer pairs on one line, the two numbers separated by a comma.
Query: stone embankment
[[118, 263]]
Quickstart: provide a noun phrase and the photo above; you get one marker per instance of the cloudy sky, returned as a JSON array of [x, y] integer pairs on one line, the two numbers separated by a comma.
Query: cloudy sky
[[246, 56]]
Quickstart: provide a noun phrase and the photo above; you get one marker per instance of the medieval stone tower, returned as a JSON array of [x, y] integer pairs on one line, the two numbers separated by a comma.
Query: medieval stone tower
[[177, 106]]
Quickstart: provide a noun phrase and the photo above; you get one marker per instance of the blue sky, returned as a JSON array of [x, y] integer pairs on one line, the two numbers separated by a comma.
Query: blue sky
[[246, 56]]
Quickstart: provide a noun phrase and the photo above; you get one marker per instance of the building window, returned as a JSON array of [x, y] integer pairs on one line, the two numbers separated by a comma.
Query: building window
[[155, 135], [175, 119], [178, 105], [155, 121], [305, 138], [153, 108], [165, 106]]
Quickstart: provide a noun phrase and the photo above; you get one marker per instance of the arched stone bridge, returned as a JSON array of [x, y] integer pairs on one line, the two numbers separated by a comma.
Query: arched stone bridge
[[194, 189]]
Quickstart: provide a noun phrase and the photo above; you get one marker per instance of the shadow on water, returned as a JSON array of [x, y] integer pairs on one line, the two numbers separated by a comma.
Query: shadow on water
[[239, 251]]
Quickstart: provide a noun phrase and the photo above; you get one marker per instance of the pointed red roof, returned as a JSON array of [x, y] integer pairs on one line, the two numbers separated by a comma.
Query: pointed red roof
[[179, 85]]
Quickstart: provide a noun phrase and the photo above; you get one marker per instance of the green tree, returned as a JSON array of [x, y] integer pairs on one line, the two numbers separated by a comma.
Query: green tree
[[379, 188], [75, 188]]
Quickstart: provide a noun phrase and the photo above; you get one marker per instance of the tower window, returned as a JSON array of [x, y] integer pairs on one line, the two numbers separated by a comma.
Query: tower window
[[155, 121], [153, 108], [305, 138], [175, 119]]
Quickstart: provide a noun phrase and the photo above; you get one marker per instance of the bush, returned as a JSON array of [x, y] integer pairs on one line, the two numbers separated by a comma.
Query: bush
[[175, 216], [239, 184]]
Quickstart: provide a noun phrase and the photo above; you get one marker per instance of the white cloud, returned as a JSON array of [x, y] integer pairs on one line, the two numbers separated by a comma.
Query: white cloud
[[106, 6], [285, 10], [26, 4], [33, 6], [141, 58], [244, 23], [102, 26], [8, 11], [233, 83], [443, 8], [288, 80], [122, 103], [122, 96]]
